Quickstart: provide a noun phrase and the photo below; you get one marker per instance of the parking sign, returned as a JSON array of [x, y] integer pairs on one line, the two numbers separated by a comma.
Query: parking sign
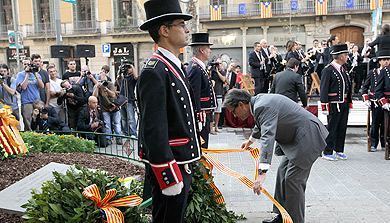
[[106, 50]]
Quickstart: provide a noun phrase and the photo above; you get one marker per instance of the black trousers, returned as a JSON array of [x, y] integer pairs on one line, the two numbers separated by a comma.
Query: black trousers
[[261, 85], [320, 67], [337, 127], [377, 133], [167, 209], [206, 130]]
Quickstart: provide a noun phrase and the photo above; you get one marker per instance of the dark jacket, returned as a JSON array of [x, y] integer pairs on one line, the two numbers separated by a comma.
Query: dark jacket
[[327, 56], [382, 89], [289, 83], [335, 87], [53, 122], [78, 100], [257, 70], [267, 64], [369, 86], [293, 54], [382, 41], [202, 86], [168, 133], [84, 119], [232, 79]]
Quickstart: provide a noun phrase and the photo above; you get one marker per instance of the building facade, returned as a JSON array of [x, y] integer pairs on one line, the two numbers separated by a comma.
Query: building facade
[[116, 22]]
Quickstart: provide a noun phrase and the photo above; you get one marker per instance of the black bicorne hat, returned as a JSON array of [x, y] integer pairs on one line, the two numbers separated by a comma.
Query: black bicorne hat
[[162, 10], [339, 49], [200, 39], [383, 54]]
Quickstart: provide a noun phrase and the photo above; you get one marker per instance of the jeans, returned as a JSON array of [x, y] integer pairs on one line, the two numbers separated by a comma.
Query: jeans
[[116, 122], [129, 124]]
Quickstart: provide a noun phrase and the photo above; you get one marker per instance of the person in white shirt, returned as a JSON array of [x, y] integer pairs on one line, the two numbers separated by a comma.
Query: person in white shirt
[[55, 89]]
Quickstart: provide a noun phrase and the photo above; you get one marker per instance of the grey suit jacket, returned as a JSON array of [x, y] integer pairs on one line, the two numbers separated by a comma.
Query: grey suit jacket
[[300, 134], [289, 83]]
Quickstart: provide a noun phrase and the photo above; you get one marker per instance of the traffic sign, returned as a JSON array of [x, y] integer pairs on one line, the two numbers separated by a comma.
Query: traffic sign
[[106, 50]]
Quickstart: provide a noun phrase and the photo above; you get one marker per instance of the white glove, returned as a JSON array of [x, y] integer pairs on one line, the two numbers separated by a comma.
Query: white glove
[[325, 112], [367, 103], [386, 106], [173, 190], [200, 126]]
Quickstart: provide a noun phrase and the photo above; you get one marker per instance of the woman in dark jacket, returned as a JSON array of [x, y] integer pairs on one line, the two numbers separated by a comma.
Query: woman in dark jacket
[[383, 41], [292, 53]]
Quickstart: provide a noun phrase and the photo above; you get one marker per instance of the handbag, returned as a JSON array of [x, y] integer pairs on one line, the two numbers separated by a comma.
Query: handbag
[[119, 102]]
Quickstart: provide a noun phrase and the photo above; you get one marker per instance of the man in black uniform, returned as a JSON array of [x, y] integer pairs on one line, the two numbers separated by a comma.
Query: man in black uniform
[[336, 101], [202, 86], [377, 114], [168, 134]]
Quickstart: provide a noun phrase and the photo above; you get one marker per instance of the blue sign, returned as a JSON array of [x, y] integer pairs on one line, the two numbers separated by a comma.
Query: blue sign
[[242, 8], [106, 48], [349, 4], [294, 5]]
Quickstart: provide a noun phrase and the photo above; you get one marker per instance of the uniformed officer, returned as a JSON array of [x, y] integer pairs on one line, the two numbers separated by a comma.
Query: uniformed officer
[[377, 113], [336, 101], [202, 86], [168, 134]]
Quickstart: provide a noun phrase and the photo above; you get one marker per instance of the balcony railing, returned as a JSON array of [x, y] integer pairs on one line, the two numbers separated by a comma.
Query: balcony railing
[[76, 27], [4, 29], [121, 25], [283, 8]]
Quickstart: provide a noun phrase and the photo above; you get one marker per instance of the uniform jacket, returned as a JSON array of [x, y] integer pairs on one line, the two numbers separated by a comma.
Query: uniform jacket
[[300, 134], [369, 86], [335, 87], [289, 83], [168, 133], [254, 63], [382, 90], [202, 86]]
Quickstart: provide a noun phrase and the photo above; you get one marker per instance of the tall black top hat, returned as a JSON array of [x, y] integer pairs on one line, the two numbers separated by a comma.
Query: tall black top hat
[[383, 54], [339, 49], [200, 39], [161, 11]]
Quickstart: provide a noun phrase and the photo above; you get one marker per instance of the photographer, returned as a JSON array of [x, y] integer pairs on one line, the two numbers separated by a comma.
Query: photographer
[[218, 75], [87, 80], [45, 91], [46, 118], [128, 81], [30, 81], [8, 90], [105, 91], [74, 97], [90, 120]]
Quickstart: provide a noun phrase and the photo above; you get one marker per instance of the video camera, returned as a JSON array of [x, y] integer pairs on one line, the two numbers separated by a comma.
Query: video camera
[[32, 68], [125, 66]]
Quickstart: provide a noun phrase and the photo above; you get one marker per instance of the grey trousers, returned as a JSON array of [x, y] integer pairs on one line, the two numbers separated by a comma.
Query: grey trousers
[[27, 110], [290, 189]]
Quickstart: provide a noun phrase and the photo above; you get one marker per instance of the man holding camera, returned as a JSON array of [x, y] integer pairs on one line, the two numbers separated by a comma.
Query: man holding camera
[[74, 98], [218, 75], [87, 80], [90, 120], [46, 118], [45, 91], [30, 81], [128, 81], [104, 90], [8, 90]]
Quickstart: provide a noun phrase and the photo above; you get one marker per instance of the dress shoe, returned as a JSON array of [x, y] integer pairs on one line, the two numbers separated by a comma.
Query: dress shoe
[[277, 219]]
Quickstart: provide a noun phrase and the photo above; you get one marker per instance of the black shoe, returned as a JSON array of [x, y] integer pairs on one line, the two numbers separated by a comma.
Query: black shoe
[[118, 141], [277, 219]]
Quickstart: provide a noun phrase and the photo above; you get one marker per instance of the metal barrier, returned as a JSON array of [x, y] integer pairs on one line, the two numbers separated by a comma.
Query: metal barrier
[[126, 149]]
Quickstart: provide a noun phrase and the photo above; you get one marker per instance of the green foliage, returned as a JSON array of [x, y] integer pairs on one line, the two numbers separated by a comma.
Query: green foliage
[[203, 206], [53, 143], [61, 199]]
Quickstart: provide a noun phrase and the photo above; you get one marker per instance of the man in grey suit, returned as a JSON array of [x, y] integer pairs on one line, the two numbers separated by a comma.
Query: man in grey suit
[[300, 135], [289, 83]]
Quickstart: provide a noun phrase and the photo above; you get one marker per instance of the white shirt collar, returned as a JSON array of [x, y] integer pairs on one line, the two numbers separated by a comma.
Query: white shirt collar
[[171, 56], [200, 63], [338, 66]]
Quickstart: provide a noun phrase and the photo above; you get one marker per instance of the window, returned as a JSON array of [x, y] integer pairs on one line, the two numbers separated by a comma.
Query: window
[[84, 10], [217, 2], [84, 15], [44, 15], [125, 9], [6, 19]]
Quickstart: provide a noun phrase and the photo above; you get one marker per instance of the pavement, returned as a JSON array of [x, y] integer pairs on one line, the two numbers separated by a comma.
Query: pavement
[[354, 190]]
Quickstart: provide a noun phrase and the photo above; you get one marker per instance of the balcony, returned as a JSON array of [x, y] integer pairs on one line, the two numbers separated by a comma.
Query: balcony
[[71, 28], [283, 8], [121, 25], [4, 30]]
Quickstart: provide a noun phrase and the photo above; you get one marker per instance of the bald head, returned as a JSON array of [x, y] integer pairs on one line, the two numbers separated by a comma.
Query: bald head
[[92, 102]]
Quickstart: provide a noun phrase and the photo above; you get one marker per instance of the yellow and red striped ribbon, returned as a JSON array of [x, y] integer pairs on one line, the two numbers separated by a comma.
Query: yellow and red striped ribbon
[[11, 140], [247, 182], [113, 214]]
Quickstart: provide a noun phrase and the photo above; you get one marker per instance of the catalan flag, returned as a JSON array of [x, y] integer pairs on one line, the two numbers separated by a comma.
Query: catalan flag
[[266, 10], [374, 2], [321, 7], [216, 12]]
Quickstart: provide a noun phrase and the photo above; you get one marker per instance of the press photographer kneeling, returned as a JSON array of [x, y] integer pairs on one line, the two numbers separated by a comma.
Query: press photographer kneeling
[[46, 119], [91, 120]]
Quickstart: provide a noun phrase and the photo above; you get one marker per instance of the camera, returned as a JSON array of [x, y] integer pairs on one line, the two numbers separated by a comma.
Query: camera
[[32, 68], [2, 77], [104, 83], [87, 73], [42, 111], [125, 66], [69, 89], [214, 66]]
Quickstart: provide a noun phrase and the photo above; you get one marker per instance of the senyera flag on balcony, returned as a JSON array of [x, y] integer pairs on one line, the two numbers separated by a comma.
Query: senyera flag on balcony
[[321, 7], [216, 12], [71, 1], [373, 4], [266, 10]]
